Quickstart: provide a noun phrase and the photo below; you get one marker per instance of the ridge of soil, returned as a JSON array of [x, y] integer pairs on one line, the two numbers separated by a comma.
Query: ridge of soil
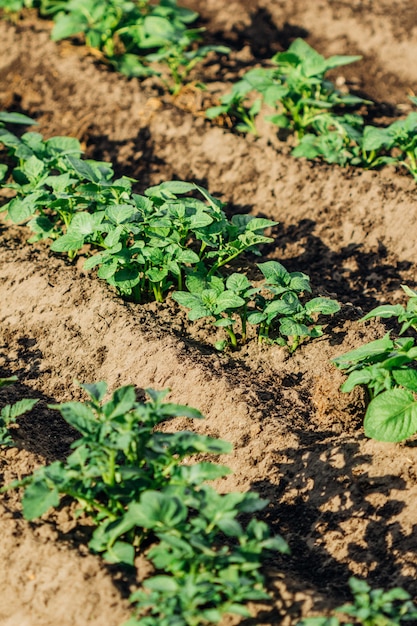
[[345, 504]]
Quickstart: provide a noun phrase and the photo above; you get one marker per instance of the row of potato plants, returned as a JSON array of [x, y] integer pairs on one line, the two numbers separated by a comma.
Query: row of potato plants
[[142, 492], [161, 241], [150, 243], [325, 122], [132, 482], [146, 246], [137, 38]]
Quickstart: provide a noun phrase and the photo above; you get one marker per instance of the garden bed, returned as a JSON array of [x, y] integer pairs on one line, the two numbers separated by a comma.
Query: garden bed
[[344, 503]]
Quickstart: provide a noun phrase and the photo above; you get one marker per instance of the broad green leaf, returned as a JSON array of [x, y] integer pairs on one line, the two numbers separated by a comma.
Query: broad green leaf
[[299, 282], [157, 510], [68, 242], [224, 322], [274, 273], [338, 60], [186, 299], [97, 391], [122, 401], [120, 552], [180, 410], [198, 312], [38, 498], [15, 118], [368, 351], [385, 311], [391, 416], [64, 145], [256, 317], [127, 277], [290, 328], [357, 377], [21, 406], [170, 189], [167, 584], [238, 283], [228, 300], [325, 306], [78, 415], [188, 256], [376, 138], [83, 169], [68, 25], [33, 168], [19, 210], [406, 378], [280, 307], [8, 381], [260, 223], [201, 472], [120, 213]]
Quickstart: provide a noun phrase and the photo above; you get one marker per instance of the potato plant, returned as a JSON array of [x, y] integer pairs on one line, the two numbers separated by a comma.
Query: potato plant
[[136, 37], [10, 412], [387, 368], [297, 88], [131, 480], [370, 607], [273, 305]]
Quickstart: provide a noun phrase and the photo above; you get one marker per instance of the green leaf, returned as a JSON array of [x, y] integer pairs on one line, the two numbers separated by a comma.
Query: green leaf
[[274, 272], [78, 415], [83, 169], [167, 584], [256, 317], [38, 498], [156, 510], [120, 552], [20, 210], [228, 300], [406, 378], [391, 416], [122, 401], [376, 138], [21, 406], [15, 118], [357, 377], [170, 189], [97, 391], [368, 351], [385, 311], [238, 283], [68, 25], [290, 328], [325, 306], [68, 242]]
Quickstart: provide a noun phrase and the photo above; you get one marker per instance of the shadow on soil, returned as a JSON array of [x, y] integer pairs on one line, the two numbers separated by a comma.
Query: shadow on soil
[[323, 494]]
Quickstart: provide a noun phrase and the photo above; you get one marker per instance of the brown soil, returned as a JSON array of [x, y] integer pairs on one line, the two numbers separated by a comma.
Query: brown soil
[[344, 503]]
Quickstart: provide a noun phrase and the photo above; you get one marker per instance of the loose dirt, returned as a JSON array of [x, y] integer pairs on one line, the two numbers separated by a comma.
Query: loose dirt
[[345, 504]]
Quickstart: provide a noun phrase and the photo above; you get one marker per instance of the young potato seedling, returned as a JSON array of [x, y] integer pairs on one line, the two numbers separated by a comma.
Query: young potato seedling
[[370, 607], [273, 305], [387, 368], [296, 86], [11, 412], [133, 483]]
